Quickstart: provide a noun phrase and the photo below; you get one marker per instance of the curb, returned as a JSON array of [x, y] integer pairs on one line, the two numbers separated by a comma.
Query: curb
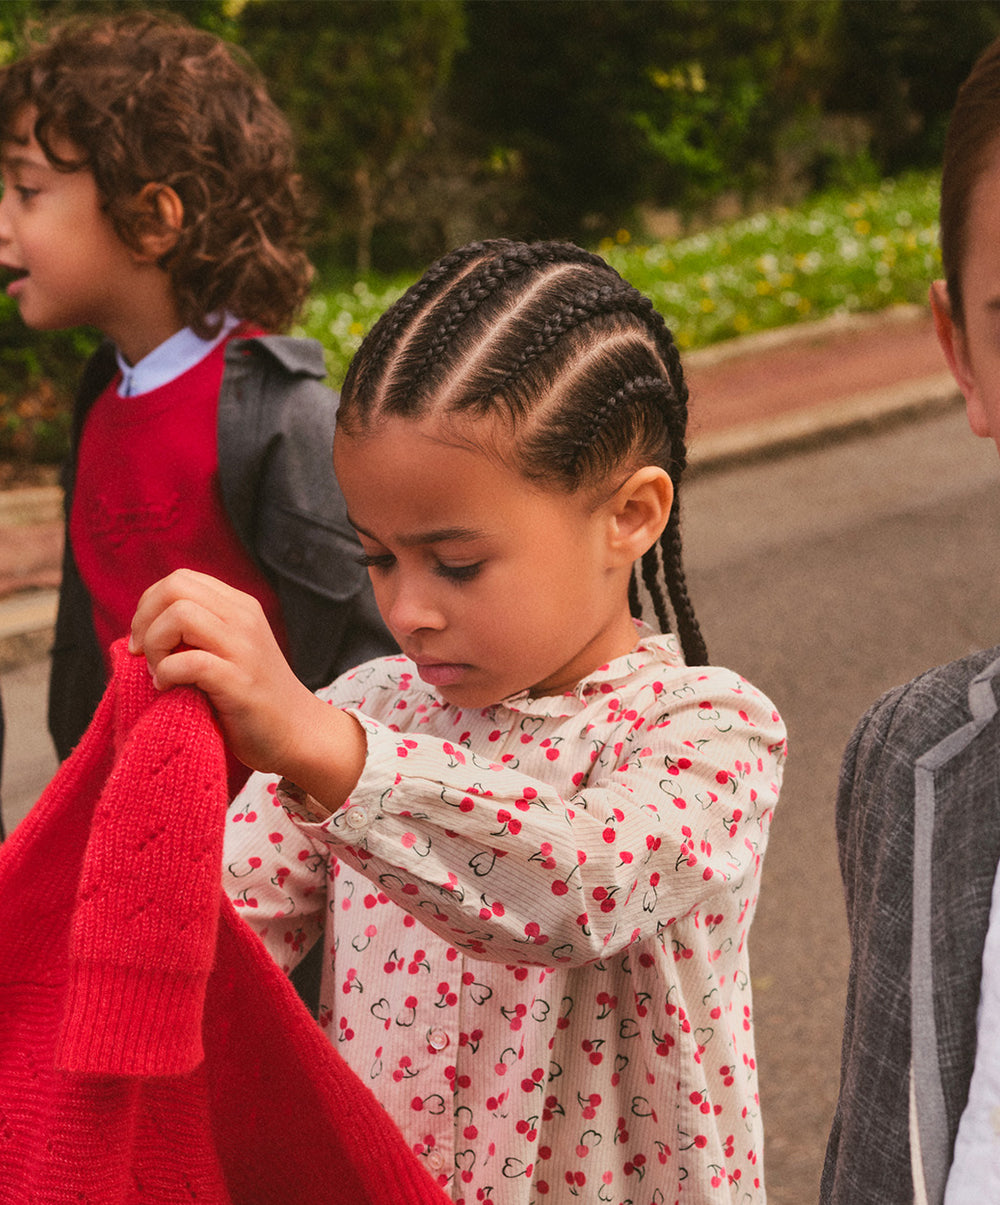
[[851, 416], [27, 627]]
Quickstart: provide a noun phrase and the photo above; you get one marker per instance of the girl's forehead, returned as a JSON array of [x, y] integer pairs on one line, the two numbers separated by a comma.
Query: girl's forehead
[[425, 439], [403, 470]]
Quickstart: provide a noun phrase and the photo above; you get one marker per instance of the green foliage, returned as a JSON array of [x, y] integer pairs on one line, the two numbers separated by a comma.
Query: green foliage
[[900, 63], [841, 252], [838, 253], [670, 101], [358, 81], [38, 375]]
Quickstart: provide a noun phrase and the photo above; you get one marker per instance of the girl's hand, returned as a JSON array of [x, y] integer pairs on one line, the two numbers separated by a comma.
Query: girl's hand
[[197, 631]]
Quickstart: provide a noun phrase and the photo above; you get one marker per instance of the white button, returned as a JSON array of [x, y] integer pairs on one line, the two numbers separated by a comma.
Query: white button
[[357, 817], [435, 1160], [437, 1039]]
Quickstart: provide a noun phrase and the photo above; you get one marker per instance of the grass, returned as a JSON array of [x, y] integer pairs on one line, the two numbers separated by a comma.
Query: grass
[[837, 253]]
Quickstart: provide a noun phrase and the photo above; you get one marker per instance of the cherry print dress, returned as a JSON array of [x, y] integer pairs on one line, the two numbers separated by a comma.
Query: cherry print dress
[[535, 922]]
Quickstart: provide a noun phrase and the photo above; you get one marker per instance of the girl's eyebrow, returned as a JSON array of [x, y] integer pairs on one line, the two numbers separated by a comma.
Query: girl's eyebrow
[[438, 535]]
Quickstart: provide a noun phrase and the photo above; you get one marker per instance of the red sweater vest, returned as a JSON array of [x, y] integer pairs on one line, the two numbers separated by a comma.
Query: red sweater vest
[[147, 499], [150, 1050]]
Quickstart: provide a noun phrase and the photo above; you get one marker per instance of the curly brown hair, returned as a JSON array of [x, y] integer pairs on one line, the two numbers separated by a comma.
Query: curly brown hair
[[148, 99]]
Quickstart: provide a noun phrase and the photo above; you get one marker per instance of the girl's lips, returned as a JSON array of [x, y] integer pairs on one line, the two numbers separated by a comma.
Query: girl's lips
[[441, 673]]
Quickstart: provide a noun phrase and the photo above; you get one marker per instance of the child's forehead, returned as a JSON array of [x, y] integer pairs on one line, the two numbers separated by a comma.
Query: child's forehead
[[18, 145], [19, 127], [20, 148]]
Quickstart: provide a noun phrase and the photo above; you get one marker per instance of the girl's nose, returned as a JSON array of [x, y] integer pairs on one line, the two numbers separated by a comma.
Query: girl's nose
[[410, 610]]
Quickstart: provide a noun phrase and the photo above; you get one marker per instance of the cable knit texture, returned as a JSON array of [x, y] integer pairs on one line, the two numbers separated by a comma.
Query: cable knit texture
[[150, 1050]]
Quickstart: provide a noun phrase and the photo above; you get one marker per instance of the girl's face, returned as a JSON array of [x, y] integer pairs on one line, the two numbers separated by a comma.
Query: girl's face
[[973, 350], [489, 583]]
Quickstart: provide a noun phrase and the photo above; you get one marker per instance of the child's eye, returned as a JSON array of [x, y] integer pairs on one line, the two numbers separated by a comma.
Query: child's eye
[[384, 560], [23, 193], [459, 573]]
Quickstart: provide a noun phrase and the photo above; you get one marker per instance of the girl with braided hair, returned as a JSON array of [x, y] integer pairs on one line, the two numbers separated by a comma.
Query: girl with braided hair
[[531, 844]]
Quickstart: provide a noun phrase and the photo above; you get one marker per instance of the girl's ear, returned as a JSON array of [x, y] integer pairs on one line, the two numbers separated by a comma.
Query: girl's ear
[[953, 344], [638, 513], [159, 220]]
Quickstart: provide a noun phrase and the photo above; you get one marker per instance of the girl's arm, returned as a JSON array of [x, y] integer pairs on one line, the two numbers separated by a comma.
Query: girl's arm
[[195, 630]]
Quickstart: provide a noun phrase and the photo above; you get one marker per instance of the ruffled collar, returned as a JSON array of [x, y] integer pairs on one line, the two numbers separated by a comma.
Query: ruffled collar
[[651, 648]]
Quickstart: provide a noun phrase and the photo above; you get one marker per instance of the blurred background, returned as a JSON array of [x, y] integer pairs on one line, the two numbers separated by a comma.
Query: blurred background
[[621, 124]]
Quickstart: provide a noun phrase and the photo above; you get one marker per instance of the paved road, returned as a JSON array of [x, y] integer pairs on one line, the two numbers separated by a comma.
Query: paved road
[[826, 578]]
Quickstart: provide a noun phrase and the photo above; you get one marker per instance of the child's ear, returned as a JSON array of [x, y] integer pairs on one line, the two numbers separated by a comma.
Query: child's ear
[[159, 220], [638, 513], [953, 343]]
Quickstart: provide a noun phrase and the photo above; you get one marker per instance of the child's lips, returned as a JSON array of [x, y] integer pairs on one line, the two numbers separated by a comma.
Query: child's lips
[[441, 673], [11, 278]]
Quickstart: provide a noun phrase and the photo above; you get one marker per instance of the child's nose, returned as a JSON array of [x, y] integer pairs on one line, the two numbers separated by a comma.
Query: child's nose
[[411, 609]]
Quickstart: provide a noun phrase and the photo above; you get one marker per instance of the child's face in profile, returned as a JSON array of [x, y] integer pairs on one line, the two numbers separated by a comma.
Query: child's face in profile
[[489, 583], [70, 267], [975, 348]]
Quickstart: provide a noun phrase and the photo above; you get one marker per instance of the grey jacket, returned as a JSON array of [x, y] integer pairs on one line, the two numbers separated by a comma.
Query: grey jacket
[[918, 831], [275, 432]]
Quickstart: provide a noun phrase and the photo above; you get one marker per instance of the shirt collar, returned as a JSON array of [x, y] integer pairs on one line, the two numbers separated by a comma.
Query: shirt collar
[[651, 648], [167, 362]]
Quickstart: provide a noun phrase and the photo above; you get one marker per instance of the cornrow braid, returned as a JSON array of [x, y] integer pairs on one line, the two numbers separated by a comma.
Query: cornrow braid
[[580, 366], [616, 297], [627, 395], [509, 261], [688, 629], [386, 331]]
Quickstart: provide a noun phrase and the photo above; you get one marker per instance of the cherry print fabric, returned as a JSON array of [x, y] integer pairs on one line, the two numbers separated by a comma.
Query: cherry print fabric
[[535, 921]]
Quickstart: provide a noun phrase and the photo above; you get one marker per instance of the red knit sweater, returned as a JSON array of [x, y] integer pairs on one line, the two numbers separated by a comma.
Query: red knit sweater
[[150, 1050]]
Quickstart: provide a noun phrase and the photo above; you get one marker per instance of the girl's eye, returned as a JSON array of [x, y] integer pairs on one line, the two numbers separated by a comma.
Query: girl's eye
[[459, 573], [383, 560]]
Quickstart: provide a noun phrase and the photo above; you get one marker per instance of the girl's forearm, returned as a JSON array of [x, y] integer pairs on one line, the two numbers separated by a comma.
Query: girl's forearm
[[328, 756]]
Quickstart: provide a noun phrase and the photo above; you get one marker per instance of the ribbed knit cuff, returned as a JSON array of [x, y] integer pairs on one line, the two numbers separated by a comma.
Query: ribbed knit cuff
[[123, 1021]]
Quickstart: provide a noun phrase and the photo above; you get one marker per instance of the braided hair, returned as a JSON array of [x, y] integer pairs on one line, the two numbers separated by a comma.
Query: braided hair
[[575, 363]]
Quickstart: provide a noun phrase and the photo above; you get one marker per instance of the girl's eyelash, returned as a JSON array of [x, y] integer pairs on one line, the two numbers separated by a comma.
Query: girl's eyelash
[[459, 573], [371, 561], [453, 573]]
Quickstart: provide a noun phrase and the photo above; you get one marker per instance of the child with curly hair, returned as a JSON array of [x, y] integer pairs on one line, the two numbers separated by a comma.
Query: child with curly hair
[[149, 191]]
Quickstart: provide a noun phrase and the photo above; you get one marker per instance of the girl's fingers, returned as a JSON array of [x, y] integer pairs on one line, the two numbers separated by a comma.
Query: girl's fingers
[[191, 611], [196, 631]]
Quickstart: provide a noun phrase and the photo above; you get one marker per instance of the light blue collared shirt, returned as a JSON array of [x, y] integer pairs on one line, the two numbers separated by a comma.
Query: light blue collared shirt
[[167, 362]]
